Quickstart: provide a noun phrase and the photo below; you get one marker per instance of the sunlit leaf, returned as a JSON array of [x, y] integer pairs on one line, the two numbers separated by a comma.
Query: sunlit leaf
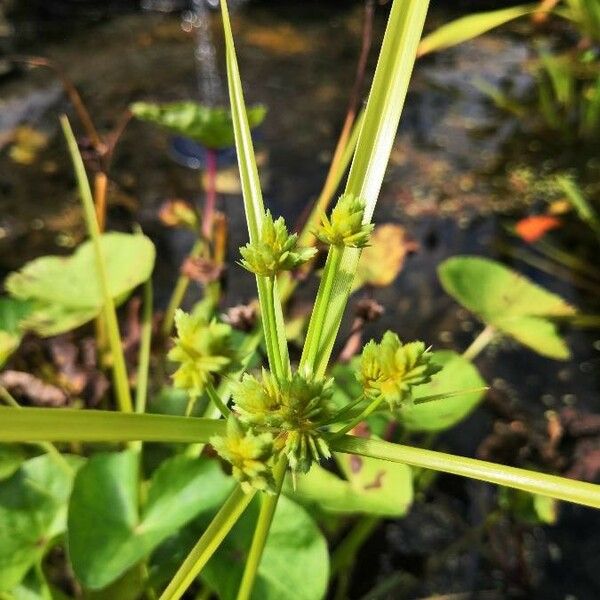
[[107, 536], [65, 292], [457, 374], [33, 508], [371, 486], [383, 259], [469, 27], [212, 127], [508, 301]]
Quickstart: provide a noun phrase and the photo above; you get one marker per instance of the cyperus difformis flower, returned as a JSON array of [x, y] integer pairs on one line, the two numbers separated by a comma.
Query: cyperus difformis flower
[[345, 227], [293, 409], [251, 455], [202, 348], [391, 369], [275, 251]]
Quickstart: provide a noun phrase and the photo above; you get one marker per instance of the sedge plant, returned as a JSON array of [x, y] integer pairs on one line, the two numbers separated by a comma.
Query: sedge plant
[[277, 423]]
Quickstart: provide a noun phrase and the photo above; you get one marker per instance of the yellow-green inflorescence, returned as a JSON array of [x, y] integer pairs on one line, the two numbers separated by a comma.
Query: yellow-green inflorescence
[[203, 349], [291, 411], [275, 251], [345, 227], [251, 454], [391, 369]]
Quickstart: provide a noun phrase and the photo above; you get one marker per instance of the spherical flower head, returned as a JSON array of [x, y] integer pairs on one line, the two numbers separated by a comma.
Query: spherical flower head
[[276, 250], [391, 369], [294, 409], [202, 348], [250, 454], [345, 227]]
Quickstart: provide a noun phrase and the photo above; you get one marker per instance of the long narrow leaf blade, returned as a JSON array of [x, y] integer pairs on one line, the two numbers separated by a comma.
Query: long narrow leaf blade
[[469, 27], [561, 488], [382, 115], [66, 425], [253, 201]]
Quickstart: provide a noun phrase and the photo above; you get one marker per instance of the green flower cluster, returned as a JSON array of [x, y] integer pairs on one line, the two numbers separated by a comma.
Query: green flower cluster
[[391, 369], [276, 250], [345, 227], [250, 454], [203, 349], [290, 411]]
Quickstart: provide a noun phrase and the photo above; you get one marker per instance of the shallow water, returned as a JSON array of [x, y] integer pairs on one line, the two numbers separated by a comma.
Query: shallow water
[[446, 183]]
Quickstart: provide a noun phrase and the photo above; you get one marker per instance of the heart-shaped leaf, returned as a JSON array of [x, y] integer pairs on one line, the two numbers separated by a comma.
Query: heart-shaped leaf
[[65, 291], [210, 126], [11, 458], [508, 301], [12, 313], [107, 536], [294, 565], [33, 508], [457, 374]]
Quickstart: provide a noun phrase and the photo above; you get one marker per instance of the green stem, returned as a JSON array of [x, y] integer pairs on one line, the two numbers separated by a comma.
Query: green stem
[[141, 394], [270, 321], [47, 447], [479, 343], [68, 425], [178, 294], [123, 392], [312, 345], [216, 400], [219, 527], [561, 488], [361, 417], [261, 532], [340, 415]]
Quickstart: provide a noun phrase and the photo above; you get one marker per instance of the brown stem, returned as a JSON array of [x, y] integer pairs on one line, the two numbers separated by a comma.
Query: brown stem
[[210, 198], [74, 96]]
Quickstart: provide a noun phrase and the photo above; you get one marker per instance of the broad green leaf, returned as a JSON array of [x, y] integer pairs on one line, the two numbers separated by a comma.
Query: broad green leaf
[[12, 313], [295, 563], [11, 458], [128, 587], [107, 536], [65, 291], [457, 374], [469, 27], [210, 126], [507, 301], [33, 508], [32, 587], [377, 135], [372, 487]]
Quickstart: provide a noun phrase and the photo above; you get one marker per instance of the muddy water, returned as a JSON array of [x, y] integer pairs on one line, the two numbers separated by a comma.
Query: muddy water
[[447, 184]]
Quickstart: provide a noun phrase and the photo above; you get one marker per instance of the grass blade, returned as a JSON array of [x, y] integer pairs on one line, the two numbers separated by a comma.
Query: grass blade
[[382, 115], [469, 27], [206, 546], [67, 425], [112, 324], [561, 488], [276, 342]]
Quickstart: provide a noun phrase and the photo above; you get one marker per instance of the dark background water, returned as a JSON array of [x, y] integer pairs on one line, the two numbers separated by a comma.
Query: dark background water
[[446, 183]]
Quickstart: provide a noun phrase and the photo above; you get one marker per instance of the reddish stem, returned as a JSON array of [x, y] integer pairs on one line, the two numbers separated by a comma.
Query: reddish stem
[[210, 199]]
